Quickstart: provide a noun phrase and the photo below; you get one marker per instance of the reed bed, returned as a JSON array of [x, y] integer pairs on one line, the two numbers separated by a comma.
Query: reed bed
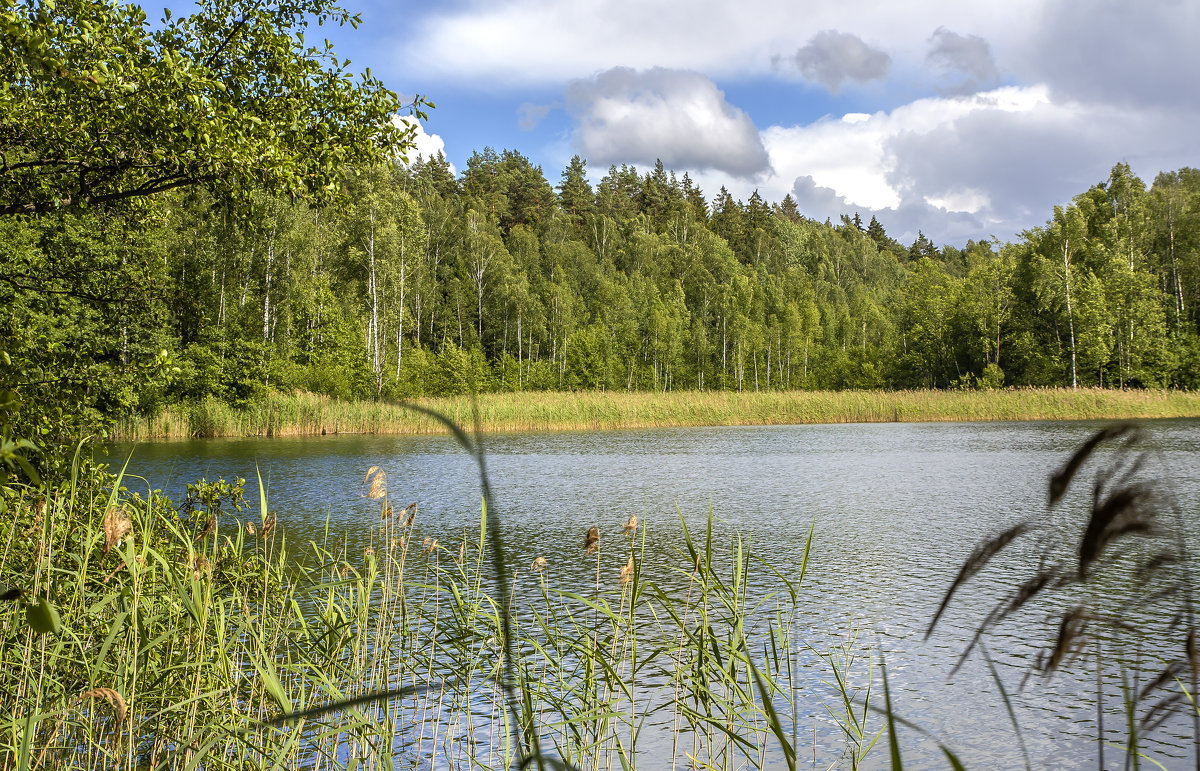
[[306, 414], [142, 635]]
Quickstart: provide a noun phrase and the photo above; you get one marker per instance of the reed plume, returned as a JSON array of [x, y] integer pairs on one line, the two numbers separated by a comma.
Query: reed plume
[[627, 571]]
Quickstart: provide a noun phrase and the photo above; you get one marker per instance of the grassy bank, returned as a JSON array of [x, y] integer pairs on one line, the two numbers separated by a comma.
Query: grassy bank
[[305, 414]]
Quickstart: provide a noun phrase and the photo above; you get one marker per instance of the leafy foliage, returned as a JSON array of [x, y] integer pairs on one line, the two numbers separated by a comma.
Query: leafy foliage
[[99, 106]]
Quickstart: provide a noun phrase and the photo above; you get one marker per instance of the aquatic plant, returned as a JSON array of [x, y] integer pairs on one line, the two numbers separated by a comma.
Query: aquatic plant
[[196, 636]]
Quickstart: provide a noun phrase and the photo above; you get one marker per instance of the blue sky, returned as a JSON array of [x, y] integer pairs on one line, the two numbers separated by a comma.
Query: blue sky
[[964, 119]]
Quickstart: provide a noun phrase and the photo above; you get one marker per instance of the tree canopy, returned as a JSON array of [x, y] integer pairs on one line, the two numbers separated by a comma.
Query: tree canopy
[[99, 106]]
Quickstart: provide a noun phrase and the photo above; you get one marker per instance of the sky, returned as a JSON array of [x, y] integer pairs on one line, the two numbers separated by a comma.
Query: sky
[[966, 120]]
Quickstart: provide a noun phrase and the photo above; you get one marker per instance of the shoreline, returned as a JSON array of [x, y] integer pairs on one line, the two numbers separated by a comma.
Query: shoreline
[[307, 414]]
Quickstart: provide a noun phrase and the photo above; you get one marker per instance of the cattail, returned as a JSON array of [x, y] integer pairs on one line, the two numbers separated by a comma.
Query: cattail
[[627, 571], [631, 523], [592, 542], [538, 565]]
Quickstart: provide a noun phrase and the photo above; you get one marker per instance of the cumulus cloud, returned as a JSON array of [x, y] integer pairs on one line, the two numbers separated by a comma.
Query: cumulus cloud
[[831, 58], [968, 167], [423, 145], [681, 117], [966, 58]]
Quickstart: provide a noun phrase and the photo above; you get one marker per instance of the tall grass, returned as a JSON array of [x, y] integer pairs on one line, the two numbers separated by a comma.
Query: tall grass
[[305, 414], [193, 636]]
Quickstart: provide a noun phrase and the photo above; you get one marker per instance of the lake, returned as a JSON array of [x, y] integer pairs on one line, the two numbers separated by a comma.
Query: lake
[[895, 509]]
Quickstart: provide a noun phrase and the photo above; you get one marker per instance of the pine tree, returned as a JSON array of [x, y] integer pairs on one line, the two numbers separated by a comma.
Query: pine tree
[[575, 192], [787, 207]]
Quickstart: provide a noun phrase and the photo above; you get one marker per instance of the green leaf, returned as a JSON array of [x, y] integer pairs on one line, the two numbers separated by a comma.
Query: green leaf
[[42, 617]]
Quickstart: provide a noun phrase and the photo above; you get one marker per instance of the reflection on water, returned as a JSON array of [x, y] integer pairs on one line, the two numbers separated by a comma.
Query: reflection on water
[[895, 510]]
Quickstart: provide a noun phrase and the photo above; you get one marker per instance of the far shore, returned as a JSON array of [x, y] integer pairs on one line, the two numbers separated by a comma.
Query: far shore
[[307, 414]]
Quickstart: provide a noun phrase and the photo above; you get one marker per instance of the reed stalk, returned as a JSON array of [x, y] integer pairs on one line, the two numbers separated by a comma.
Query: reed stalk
[[195, 635]]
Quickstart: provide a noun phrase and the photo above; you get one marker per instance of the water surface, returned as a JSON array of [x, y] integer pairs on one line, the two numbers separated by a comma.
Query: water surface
[[895, 509]]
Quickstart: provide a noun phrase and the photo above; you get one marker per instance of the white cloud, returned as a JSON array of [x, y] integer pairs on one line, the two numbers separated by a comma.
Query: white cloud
[[1092, 82], [548, 41], [680, 117], [968, 167], [966, 58], [831, 58], [423, 145]]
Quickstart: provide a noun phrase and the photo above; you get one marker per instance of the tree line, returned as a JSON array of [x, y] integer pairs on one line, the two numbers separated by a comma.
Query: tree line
[[420, 282]]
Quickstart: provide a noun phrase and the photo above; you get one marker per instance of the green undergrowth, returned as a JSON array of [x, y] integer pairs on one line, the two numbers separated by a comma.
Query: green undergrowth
[[306, 414]]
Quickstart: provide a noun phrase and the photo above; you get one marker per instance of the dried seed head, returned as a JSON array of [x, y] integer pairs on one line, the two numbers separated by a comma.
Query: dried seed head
[[630, 524], [430, 545], [627, 571], [209, 527], [200, 566], [376, 481], [462, 552], [116, 526], [250, 528], [115, 700], [269, 524], [591, 542], [386, 512], [538, 565], [368, 552], [409, 513]]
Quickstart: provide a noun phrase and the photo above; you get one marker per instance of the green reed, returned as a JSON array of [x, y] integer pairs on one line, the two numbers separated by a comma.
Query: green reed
[[193, 636]]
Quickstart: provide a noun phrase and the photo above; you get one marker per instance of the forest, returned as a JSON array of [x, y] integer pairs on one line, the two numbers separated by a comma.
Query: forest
[[417, 282]]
